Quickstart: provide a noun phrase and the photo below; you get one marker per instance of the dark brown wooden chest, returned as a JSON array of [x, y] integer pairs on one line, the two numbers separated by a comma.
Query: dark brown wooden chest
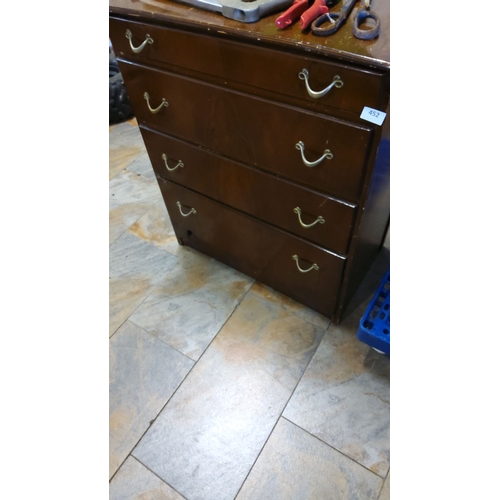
[[256, 170]]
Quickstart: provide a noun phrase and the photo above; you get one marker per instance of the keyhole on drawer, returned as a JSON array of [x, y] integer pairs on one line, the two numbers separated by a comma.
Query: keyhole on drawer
[[189, 233]]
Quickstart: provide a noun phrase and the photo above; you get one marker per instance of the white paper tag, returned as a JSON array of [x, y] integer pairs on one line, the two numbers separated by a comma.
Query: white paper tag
[[373, 115]]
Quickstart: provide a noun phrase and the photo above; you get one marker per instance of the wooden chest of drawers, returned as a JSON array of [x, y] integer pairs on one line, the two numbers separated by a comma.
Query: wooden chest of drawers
[[256, 169]]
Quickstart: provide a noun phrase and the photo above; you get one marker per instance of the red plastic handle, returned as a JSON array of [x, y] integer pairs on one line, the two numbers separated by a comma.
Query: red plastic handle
[[296, 10], [318, 8]]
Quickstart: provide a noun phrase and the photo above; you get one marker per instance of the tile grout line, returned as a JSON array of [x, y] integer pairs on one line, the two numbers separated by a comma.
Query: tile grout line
[[338, 451], [280, 415], [154, 473], [383, 484], [382, 487], [161, 340]]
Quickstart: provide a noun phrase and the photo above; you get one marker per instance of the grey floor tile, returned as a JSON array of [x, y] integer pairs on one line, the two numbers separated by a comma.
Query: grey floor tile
[[189, 322], [196, 271], [188, 309], [343, 398], [125, 295], [208, 436], [125, 145], [155, 227], [134, 482], [131, 256], [295, 465], [121, 217], [135, 267], [125, 134], [120, 158], [141, 165], [291, 305], [144, 373], [130, 197], [128, 187]]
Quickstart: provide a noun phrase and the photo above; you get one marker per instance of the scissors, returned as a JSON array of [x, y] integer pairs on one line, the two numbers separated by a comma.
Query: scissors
[[337, 20]]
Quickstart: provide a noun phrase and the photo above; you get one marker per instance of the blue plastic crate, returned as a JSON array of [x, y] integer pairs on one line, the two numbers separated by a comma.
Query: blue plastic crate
[[374, 327]]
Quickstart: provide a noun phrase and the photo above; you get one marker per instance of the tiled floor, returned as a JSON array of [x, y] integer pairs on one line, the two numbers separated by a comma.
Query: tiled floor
[[221, 388]]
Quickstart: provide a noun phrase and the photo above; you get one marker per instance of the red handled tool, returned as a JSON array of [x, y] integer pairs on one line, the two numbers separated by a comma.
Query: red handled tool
[[296, 10], [318, 8], [307, 10]]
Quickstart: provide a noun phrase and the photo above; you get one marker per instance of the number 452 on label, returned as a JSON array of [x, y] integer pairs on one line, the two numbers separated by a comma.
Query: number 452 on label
[[373, 115]]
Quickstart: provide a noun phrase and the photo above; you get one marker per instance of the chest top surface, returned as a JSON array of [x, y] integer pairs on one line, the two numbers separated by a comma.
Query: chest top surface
[[342, 45]]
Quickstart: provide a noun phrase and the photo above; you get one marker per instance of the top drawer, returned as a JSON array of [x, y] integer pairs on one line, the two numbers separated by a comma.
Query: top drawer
[[258, 67]]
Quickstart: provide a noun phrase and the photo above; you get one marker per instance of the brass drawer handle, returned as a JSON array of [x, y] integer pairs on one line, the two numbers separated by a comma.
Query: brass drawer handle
[[319, 220], [337, 82], [163, 103], [327, 154], [192, 211], [314, 266], [136, 50], [179, 165]]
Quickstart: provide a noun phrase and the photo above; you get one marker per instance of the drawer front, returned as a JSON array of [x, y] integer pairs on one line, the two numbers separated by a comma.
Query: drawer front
[[259, 67], [254, 131], [329, 221], [256, 249]]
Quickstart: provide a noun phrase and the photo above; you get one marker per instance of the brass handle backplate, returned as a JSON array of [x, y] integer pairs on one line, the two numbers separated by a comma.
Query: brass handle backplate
[[314, 266], [326, 155], [337, 83], [171, 169], [155, 110], [319, 220], [136, 50], [192, 211]]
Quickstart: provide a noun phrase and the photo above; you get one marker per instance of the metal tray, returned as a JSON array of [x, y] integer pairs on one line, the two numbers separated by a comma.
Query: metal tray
[[246, 11]]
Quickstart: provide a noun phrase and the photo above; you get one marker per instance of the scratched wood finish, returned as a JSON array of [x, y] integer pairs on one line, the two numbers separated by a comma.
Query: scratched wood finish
[[252, 191], [256, 249]]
